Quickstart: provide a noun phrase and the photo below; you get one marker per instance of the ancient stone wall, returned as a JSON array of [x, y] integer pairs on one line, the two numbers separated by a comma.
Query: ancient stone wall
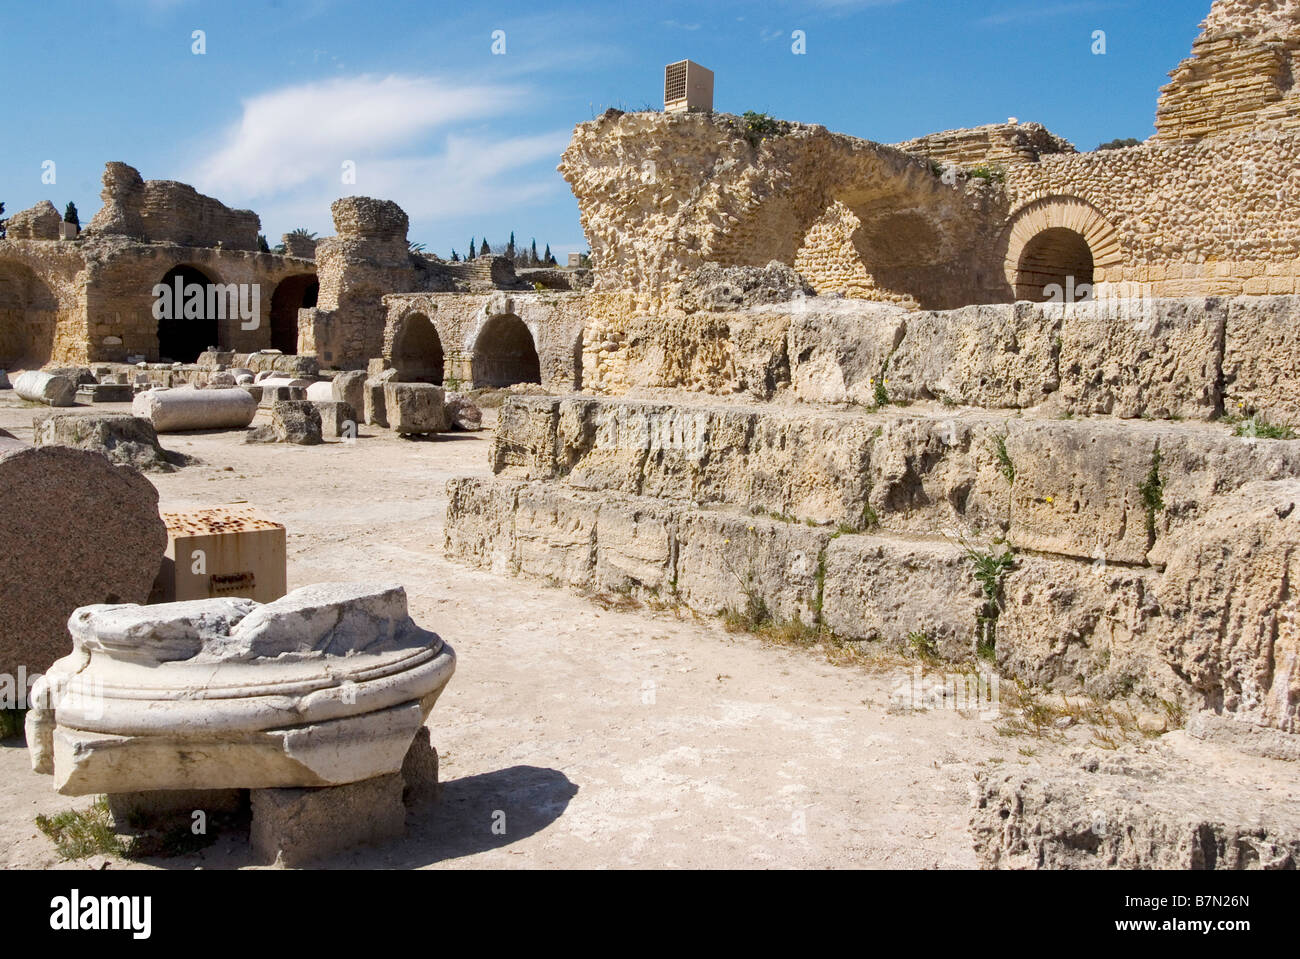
[[996, 145], [169, 212], [660, 195], [367, 259], [467, 324], [1240, 76]]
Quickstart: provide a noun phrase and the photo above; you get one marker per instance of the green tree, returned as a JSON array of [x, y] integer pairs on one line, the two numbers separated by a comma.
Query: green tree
[[1120, 144], [484, 249], [2, 222], [548, 258], [510, 247], [70, 215], [455, 257], [532, 255], [262, 246], [473, 254]]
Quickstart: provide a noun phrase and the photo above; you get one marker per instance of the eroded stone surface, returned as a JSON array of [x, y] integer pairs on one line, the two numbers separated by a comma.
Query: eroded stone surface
[[323, 687]]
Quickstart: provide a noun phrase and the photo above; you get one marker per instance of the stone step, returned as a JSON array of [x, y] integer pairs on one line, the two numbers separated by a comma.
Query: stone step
[[1068, 625], [1100, 489]]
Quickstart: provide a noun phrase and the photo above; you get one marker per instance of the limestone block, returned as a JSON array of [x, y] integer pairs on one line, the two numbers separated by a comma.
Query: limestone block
[[635, 546], [298, 827], [1077, 627], [37, 387], [338, 420], [555, 534], [127, 440], [1123, 812], [375, 401], [105, 393], [1131, 358], [480, 528], [725, 561], [836, 350], [1229, 610], [326, 686], [420, 769], [349, 387], [1261, 362], [320, 392], [82, 529], [415, 408], [297, 422], [178, 410], [892, 588], [996, 356]]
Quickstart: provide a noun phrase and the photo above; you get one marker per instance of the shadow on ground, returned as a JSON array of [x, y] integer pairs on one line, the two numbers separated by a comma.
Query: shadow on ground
[[481, 813]]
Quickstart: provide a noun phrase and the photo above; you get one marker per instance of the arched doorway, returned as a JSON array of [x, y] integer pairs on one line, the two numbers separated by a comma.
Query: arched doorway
[[182, 338], [504, 354], [417, 351], [292, 294], [1058, 256], [28, 313]]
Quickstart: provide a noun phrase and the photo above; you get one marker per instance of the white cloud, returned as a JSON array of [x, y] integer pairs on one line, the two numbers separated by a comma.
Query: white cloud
[[414, 140]]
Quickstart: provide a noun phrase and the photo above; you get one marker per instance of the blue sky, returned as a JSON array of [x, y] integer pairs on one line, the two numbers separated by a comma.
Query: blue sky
[[467, 140]]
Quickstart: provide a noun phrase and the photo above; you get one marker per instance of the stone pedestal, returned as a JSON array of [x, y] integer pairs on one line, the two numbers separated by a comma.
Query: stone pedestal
[[296, 827]]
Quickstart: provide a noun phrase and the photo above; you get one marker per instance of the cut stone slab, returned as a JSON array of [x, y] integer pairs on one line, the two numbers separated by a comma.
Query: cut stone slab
[[297, 422], [297, 827], [126, 440], [76, 530], [105, 393], [338, 420], [326, 686], [1130, 812], [415, 408], [350, 387]]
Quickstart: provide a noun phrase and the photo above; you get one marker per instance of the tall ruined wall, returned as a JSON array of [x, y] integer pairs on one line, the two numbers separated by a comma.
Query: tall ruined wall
[[42, 303], [996, 144], [1240, 76], [367, 259], [120, 277], [1220, 216], [661, 195], [164, 211]]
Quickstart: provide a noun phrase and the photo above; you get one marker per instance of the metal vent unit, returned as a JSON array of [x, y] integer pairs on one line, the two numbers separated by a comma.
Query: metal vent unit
[[688, 87]]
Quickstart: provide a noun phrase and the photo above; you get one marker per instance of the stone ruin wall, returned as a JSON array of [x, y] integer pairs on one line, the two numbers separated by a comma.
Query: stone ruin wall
[[90, 300], [554, 320], [996, 144], [1240, 76]]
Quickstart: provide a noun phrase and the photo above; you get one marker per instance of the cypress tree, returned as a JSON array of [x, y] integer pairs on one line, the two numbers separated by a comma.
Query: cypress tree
[[70, 216], [484, 250], [473, 255]]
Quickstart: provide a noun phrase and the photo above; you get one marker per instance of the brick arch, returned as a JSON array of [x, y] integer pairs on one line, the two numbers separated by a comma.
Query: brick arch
[[1049, 217], [418, 329]]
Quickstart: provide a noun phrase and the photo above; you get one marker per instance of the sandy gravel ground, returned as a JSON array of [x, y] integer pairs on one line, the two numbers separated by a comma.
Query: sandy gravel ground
[[607, 737]]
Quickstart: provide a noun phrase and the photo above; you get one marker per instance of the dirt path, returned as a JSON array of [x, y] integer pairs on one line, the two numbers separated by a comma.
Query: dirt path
[[608, 738]]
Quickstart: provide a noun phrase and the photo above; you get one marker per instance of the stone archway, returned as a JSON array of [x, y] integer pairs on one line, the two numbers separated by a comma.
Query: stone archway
[[293, 293], [1057, 257], [1058, 238], [417, 351], [182, 338], [504, 354], [28, 316]]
